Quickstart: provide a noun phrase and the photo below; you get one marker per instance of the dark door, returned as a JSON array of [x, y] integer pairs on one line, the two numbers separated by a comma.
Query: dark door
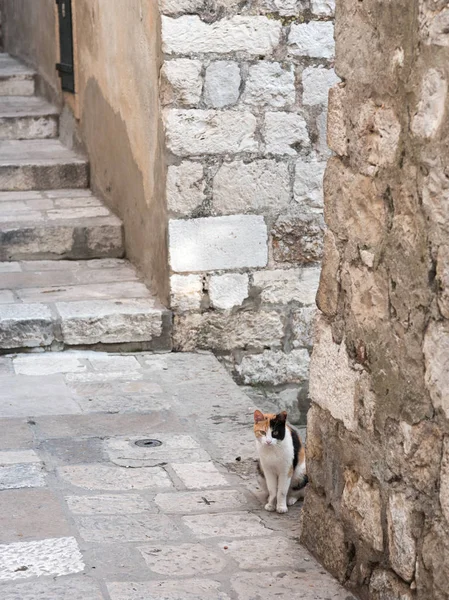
[[65, 67]]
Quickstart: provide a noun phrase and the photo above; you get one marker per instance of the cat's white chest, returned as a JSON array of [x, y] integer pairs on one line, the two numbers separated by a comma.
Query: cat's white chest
[[275, 458]]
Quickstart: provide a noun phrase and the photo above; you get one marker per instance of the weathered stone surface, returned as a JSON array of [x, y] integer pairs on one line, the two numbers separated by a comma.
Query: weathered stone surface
[[323, 533], [70, 588], [214, 243], [196, 132], [444, 481], [384, 585], [362, 508], [302, 327], [181, 82], [282, 583], [368, 293], [222, 84], [60, 556], [443, 279], [336, 126], [431, 107], [327, 295], [199, 475], [21, 476], [126, 528], [188, 34], [30, 514], [185, 187], [401, 543], [48, 364], [374, 143], [189, 589], [103, 477], [435, 550], [184, 559], [353, 198], [315, 39], [260, 186], [186, 292], [269, 84], [109, 505], [227, 291], [286, 285], [25, 325], [204, 501], [323, 8], [298, 239], [274, 368], [226, 525], [436, 352], [285, 133], [332, 381], [121, 321], [316, 82], [308, 188]]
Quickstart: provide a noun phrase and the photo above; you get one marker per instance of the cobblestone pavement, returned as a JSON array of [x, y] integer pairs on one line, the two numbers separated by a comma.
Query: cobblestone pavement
[[86, 514]]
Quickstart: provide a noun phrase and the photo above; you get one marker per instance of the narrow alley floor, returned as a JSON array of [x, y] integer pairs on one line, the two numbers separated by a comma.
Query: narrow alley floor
[[88, 513]]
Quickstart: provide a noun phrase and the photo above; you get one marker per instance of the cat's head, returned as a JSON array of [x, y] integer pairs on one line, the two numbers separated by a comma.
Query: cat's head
[[269, 428]]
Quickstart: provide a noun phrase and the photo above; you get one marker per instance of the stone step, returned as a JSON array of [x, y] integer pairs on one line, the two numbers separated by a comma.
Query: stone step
[[97, 304], [27, 118], [57, 224], [40, 165], [16, 79]]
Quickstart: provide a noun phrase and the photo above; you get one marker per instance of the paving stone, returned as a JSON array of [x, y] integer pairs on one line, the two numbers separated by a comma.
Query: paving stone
[[50, 588], [16, 433], [109, 505], [229, 525], [31, 514], [103, 477], [272, 551], [12, 457], [100, 377], [207, 501], [127, 528], [59, 556], [68, 451], [125, 452], [114, 561], [21, 397], [48, 364], [124, 403], [105, 362], [199, 475], [21, 476], [186, 589], [312, 586], [106, 425], [182, 559]]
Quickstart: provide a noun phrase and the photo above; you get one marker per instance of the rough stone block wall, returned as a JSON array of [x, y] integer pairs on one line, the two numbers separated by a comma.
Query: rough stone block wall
[[244, 87], [377, 510]]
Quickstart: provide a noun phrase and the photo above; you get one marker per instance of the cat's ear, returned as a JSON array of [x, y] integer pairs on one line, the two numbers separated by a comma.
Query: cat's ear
[[282, 416], [258, 416]]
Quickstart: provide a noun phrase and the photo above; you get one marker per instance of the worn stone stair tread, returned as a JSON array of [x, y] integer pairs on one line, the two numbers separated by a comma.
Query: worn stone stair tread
[[26, 106], [15, 77], [99, 303], [37, 152], [42, 225], [40, 164]]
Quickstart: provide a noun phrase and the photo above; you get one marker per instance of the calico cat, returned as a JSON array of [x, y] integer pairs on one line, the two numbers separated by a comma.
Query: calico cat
[[282, 462]]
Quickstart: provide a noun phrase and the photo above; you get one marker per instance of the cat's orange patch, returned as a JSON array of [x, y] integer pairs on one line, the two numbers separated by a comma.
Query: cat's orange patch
[[262, 422]]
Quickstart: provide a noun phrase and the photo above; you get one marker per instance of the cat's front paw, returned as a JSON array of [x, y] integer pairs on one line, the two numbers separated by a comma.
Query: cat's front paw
[[282, 509], [270, 507]]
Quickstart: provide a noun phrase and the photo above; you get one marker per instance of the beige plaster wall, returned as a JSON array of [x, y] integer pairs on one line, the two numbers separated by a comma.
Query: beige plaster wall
[[117, 60]]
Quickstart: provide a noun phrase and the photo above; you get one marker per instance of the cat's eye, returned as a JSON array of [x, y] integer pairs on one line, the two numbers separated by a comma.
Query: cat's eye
[[263, 433]]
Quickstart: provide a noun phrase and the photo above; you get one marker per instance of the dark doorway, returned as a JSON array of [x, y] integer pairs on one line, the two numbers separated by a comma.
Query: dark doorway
[[65, 66]]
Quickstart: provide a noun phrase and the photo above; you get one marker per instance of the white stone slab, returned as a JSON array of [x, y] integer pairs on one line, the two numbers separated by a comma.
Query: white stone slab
[[199, 475]]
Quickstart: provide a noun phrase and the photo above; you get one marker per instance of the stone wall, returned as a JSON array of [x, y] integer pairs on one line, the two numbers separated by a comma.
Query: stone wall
[[377, 511], [244, 88]]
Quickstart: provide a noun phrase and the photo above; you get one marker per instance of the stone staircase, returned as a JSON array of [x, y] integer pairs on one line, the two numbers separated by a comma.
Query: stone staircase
[[63, 279]]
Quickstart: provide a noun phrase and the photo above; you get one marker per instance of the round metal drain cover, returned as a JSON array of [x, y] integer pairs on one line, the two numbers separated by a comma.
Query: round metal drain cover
[[148, 443]]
